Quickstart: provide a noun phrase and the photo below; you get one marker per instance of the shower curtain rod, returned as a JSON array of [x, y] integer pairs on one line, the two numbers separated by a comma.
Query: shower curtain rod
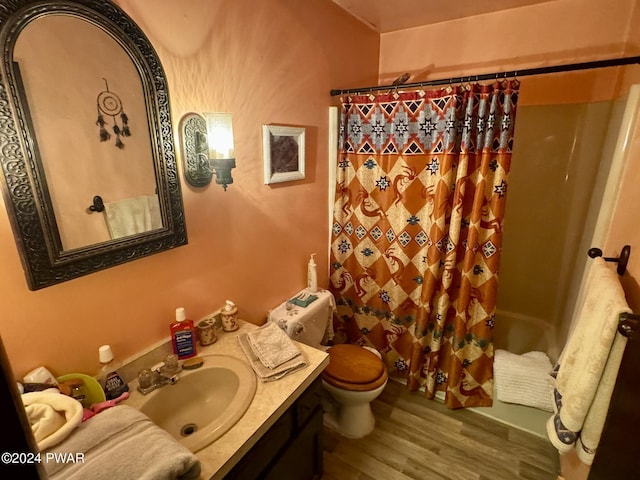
[[614, 62]]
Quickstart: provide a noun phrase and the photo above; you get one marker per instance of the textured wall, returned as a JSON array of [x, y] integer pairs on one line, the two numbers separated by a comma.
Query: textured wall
[[272, 61]]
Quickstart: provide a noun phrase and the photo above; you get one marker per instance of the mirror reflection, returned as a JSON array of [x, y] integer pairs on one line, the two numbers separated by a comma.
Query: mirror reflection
[[85, 122], [88, 113]]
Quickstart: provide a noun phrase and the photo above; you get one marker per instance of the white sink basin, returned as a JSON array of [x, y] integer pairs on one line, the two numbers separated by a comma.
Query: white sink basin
[[204, 403]]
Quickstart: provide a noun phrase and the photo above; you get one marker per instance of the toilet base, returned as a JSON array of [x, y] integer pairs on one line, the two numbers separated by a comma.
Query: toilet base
[[351, 416], [351, 422]]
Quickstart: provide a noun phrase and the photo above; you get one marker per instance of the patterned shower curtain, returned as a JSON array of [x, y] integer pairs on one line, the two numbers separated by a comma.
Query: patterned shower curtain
[[417, 231]]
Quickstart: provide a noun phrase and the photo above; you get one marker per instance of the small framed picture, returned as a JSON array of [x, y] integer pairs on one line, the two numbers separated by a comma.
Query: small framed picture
[[283, 150]]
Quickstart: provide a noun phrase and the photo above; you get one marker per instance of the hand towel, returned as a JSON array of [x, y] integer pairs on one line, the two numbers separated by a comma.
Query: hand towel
[[266, 374], [133, 215], [123, 443], [588, 366], [271, 345], [52, 416], [155, 217]]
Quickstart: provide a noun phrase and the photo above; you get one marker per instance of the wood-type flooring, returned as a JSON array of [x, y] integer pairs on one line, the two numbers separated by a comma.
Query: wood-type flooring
[[417, 438]]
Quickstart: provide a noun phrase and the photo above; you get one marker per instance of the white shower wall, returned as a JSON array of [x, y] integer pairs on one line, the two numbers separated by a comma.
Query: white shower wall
[[561, 154]]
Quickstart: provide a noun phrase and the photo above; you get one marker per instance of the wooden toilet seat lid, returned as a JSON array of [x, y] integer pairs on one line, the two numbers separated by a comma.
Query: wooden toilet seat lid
[[354, 368]]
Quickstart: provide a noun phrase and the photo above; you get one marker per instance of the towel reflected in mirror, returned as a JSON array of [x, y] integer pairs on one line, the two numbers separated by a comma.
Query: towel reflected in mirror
[[133, 215]]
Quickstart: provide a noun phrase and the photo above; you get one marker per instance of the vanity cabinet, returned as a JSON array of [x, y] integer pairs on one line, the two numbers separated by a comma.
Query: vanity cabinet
[[292, 448]]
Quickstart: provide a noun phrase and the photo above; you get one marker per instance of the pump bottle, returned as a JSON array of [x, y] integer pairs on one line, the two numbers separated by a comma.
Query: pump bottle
[[312, 275]]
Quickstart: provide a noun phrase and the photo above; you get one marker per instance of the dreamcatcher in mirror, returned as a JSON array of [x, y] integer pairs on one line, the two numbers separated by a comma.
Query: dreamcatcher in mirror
[[109, 104]]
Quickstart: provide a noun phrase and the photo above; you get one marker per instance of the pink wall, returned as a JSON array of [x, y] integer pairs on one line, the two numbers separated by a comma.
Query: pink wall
[[272, 61], [550, 33], [541, 34]]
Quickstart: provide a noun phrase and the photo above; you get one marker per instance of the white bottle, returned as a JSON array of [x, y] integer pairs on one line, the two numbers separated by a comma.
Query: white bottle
[[110, 380], [312, 275]]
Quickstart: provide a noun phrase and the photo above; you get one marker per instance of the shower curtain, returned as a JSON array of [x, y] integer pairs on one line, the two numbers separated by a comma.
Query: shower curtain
[[417, 228]]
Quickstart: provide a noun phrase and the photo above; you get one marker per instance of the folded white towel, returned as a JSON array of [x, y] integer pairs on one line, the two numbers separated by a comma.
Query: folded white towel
[[523, 379], [267, 374], [271, 345], [52, 416], [122, 443]]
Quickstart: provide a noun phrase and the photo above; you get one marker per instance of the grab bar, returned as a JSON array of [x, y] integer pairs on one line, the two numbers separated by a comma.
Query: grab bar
[[622, 260]]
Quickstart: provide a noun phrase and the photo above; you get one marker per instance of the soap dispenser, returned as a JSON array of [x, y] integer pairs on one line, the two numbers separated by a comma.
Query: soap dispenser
[[312, 275], [183, 335], [229, 316]]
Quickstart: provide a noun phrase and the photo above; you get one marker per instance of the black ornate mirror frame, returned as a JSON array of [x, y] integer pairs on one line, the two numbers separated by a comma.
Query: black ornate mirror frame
[[25, 188]]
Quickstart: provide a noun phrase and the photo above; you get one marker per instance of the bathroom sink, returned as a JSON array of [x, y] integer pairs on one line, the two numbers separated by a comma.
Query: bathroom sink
[[204, 403]]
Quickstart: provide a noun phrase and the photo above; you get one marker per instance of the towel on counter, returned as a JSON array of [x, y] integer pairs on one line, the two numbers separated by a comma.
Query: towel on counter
[[272, 346], [523, 379], [264, 373], [588, 366], [52, 416], [123, 443], [133, 215]]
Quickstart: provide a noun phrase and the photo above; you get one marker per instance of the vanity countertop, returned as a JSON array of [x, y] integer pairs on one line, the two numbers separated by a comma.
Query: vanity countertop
[[271, 400]]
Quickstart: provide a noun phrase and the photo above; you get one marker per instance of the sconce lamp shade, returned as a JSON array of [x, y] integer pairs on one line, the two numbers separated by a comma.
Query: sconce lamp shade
[[210, 153], [220, 135]]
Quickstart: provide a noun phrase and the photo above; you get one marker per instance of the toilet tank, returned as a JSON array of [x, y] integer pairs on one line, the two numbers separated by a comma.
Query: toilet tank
[[311, 324]]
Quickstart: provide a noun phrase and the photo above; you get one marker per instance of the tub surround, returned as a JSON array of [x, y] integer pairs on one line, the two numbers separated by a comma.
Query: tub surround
[[271, 400]]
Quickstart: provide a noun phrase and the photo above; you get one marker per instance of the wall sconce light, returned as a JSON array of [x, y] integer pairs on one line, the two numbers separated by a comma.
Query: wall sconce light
[[207, 148]]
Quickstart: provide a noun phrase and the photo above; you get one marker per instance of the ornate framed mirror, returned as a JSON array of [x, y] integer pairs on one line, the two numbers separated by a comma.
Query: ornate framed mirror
[[84, 124]]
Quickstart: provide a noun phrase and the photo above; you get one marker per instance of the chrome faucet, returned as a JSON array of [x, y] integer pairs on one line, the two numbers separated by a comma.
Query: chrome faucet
[[163, 373]]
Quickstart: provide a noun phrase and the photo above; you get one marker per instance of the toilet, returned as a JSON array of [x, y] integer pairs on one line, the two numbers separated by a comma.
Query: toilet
[[354, 378], [355, 375]]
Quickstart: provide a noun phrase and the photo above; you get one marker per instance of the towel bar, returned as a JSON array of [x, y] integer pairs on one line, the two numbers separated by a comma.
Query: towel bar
[[628, 324], [622, 260]]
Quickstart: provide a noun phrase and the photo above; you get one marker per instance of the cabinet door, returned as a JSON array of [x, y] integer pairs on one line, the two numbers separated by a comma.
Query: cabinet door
[[265, 450], [303, 459], [16, 434], [618, 454], [308, 402]]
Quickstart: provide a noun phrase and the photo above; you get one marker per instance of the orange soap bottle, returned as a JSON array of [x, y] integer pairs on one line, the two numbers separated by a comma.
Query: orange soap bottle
[[183, 336]]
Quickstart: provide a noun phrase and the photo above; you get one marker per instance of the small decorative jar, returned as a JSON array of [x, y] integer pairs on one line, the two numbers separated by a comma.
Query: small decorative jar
[[229, 317]]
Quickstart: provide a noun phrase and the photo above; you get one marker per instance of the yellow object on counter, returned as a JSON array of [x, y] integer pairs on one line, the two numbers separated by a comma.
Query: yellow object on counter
[[93, 390]]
